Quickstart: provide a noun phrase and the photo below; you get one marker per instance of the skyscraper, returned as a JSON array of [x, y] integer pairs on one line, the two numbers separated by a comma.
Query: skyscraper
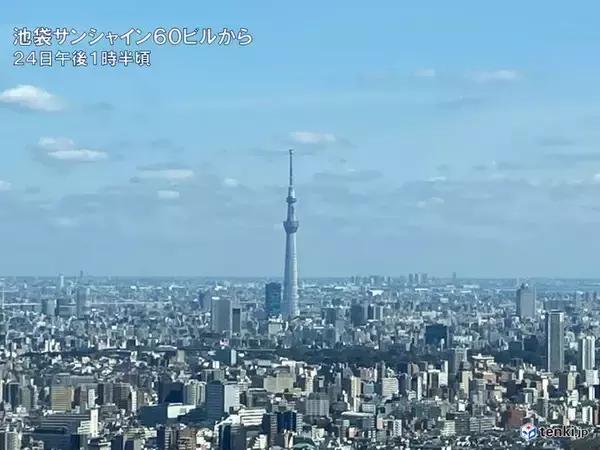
[[221, 315], [555, 341], [232, 436], [82, 302], [220, 398], [61, 283], [10, 440], [236, 320], [273, 299], [458, 356], [289, 306], [525, 301], [587, 353]]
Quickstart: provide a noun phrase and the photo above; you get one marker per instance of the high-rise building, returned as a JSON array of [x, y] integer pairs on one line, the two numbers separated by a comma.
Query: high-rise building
[[122, 395], [288, 421], [317, 405], [81, 302], [170, 391], [12, 394], [221, 315], [118, 442], [437, 333], [232, 437], [220, 398], [105, 394], [49, 306], [555, 341], [358, 316], [236, 320], [587, 353], [525, 301], [352, 386], [289, 306], [193, 392], [202, 300], [166, 437], [29, 397], [10, 440], [458, 357], [61, 397], [273, 299]]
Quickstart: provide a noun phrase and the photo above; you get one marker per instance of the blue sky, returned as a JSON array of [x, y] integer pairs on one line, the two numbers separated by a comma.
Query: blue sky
[[431, 136]]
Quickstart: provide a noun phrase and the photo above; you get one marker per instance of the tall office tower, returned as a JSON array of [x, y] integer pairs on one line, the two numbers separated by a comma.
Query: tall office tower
[[122, 395], [61, 283], [105, 394], [457, 358], [29, 397], [273, 299], [437, 334], [555, 341], [236, 320], [525, 301], [10, 440], [170, 391], [358, 315], [61, 397], [203, 300], [587, 353], [82, 302], [220, 398], [166, 437], [193, 392], [232, 437], [289, 306], [221, 315], [12, 394]]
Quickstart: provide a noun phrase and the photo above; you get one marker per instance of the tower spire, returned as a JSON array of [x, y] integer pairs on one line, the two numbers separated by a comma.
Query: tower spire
[[291, 151]]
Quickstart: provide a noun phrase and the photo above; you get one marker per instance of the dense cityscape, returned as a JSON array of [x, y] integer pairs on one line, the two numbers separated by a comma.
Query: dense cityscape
[[400, 362]]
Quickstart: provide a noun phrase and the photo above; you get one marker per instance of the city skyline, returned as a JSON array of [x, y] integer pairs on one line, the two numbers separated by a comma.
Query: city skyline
[[479, 156]]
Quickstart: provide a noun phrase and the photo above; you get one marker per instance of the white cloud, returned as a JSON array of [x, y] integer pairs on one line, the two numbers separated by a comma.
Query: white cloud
[[431, 202], [502, 75], [78, 155], [5, 186], [309, 137], [231, 182], [31, 97], [167, 195], [425, 73], [166, 174], [62, 149], [64, 222], [53, 144], [438, 179]]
